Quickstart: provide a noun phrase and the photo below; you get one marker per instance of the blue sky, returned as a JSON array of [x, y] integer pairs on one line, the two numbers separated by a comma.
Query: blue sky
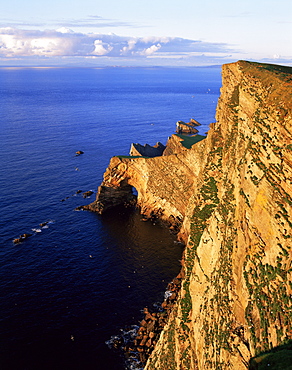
[[150, 32]]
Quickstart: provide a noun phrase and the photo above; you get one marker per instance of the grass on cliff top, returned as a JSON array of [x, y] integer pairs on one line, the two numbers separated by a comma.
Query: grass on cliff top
[[189, 141], [283, 72], [270, 67], [278, 358], [130, 156]]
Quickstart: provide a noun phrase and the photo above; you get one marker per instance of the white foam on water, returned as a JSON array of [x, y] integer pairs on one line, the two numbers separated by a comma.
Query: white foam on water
[[167, 294], [37, 230], [119, 342]]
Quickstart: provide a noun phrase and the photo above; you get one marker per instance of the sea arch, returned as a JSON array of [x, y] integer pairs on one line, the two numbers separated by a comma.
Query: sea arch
[[158, 194]]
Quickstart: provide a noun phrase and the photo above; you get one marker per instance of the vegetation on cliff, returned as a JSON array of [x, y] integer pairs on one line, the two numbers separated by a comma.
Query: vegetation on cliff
[[189, 141], [229, 196], [236, 297]]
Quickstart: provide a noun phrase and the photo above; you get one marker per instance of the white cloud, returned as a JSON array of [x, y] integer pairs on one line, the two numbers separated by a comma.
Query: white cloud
[[64, 30], [130, 46], [19, 43], [153, 40], [63, 42], [101, 48], [151, 50]]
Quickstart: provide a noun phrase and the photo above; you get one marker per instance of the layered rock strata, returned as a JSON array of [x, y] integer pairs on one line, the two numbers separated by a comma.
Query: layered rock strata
[[147, 150], [187, 128], [229, 196], [236, 297], [164, 184]]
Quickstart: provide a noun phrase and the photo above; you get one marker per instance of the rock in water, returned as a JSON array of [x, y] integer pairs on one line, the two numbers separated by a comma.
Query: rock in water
[[79, 152]]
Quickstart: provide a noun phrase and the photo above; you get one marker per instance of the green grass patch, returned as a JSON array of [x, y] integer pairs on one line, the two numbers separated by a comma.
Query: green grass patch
[[189, 141], [278, 358], [270, 67], [130, 156]]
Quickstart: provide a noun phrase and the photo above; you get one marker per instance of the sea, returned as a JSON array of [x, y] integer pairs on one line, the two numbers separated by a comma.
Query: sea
[[82, 279]]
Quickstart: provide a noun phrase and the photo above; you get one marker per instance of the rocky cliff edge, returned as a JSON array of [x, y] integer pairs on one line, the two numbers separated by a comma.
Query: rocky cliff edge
[[229, 198]]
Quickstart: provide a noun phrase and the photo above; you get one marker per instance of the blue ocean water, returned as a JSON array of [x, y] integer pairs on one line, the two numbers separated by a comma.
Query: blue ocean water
[[82, 277]]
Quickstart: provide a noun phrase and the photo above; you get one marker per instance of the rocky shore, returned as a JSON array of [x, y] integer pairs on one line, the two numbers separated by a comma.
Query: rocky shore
[[142, 343], [154, 322]]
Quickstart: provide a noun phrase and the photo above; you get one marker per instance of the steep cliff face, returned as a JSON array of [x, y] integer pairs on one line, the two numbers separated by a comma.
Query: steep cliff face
[[236, 296], [229, 196], [164, 184]]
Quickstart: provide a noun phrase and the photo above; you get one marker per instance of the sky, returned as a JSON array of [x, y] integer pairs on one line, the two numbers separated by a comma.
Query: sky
[[144, 32]]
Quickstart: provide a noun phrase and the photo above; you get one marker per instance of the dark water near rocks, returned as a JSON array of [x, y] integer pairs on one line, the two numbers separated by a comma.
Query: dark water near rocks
[[82, 278]]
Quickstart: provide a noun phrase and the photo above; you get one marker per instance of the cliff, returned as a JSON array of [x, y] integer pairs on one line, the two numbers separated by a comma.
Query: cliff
[[229, 198], [164, 184], [147, 150]]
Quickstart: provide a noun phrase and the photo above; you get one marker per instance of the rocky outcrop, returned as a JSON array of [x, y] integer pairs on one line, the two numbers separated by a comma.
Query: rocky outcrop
[[87, 194], [187, 128], [229, 196], [152, 324], [21, 238], [164, 184], [147, 150], [79, 152]]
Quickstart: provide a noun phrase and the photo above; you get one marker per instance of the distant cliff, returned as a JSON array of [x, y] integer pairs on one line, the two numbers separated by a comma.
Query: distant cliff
[[229, 198]]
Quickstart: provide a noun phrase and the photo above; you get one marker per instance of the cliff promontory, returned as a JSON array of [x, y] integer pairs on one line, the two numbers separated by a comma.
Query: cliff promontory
[[229, 197]]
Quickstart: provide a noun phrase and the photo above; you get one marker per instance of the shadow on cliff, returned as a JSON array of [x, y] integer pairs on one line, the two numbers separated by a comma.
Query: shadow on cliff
[[278, 358]]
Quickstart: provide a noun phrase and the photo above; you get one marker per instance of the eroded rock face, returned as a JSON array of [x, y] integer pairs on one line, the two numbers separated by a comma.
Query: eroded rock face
[[147, 150], [236, 296], [230, 196], [164, 184], [187, 128]]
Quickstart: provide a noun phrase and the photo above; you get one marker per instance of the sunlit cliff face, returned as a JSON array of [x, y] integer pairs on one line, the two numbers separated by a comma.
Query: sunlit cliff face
[[229, 196], [236, 297]]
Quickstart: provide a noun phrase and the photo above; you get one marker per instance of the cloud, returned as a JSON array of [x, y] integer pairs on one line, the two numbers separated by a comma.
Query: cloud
[[20, 43], [101, 48], [151, 50], [91, 21], [96, 21], [65, 43]]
